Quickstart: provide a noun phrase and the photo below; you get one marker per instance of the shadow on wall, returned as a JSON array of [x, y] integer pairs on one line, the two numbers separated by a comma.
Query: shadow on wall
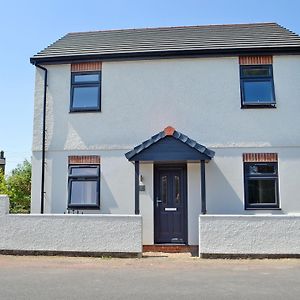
[[70, 136], [220, 196], [56, 133], [107, 199], [57, 201], [225, 194], [65, 129]]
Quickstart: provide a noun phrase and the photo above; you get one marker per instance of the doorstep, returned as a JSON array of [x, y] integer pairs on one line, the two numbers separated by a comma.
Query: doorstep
[[170, 248]]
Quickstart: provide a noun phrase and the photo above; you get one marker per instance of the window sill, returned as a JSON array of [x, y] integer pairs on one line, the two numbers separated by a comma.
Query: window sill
[[85, 111], [255, 106], [263, 208], [85, 207]]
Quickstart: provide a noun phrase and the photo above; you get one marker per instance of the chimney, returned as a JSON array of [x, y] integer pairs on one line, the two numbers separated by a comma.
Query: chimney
[[2, 161]]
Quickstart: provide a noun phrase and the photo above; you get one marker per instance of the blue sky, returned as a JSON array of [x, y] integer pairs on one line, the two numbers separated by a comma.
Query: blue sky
[[29, 26]]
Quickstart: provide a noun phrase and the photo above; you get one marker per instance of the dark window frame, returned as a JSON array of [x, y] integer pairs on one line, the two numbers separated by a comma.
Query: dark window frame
[[253, 78], [85, 84], [76, 178], [261, 176]]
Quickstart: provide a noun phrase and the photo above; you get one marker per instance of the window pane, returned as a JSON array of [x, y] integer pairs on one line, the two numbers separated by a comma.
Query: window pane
[[86, 78], [177, 189], [86, 97], [262, 169], [84, 192], [258, 92], [256, 72], [261, 191], [164, 189], [84, 171]]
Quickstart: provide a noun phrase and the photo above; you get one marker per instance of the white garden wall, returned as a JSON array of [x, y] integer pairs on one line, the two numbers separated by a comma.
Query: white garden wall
[[249, 235], [111, 234]]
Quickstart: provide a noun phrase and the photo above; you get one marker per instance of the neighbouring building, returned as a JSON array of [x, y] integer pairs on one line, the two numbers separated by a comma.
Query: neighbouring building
[[2, 161], [169, 123]]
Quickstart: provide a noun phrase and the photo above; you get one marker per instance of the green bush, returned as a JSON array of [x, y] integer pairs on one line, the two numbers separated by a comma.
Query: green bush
[[17, 186], [3, 184]]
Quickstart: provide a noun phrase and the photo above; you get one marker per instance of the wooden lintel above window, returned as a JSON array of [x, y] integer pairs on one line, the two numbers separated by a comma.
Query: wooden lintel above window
[[260, 157], [256, 60], [84, 159], [87, 66]]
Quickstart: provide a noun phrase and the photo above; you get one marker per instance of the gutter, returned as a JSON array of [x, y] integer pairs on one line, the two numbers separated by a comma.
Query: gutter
[[43, 136], [165, 54]]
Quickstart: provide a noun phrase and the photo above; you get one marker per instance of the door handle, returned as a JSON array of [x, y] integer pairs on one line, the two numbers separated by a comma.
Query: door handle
[[158, 201]]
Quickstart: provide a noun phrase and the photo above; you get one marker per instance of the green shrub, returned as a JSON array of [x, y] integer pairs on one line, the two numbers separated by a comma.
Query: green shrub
[[17, 186]]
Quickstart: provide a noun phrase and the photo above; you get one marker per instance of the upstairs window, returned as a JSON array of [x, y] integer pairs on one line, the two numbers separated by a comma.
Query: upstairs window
[[86, 91], [257, 85]]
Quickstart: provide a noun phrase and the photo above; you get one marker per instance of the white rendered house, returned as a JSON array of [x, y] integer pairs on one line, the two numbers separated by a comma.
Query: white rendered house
[[169, 123]]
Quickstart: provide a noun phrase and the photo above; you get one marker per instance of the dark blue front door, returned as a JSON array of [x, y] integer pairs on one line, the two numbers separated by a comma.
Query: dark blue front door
[[170, 204]]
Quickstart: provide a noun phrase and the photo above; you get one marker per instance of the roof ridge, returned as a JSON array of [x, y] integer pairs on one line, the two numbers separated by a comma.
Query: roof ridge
[[174, 27]]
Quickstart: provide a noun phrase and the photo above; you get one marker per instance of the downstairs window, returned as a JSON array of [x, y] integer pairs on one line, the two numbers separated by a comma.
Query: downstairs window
[[84, 186], [261, 185]]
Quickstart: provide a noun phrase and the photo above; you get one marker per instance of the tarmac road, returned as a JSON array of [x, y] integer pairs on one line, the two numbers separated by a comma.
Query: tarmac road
[[156, 276]]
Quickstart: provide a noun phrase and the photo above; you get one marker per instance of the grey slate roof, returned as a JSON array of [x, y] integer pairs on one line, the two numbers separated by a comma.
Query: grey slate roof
[[178, 136], [169, 40]]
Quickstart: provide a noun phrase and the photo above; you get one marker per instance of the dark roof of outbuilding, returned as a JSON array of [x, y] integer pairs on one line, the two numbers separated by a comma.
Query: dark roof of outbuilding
[[170, 132], [167, 41]]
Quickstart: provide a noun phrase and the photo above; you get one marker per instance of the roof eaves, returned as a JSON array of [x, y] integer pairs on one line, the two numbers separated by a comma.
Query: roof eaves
[[164, 54]]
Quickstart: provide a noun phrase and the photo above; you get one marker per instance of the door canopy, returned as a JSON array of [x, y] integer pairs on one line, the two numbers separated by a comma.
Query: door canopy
[[170, 145]]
